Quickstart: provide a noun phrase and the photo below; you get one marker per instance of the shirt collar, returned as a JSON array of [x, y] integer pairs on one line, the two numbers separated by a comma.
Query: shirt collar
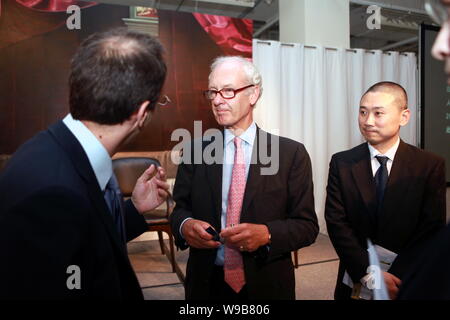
[[248, 135], [98, 157], [390, 153]]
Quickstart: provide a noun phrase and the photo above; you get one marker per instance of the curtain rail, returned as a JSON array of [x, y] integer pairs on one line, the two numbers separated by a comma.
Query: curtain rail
[[334, 49]]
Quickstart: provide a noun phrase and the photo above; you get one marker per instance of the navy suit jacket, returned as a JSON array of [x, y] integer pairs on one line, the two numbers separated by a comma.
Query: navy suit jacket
[[52, 216]]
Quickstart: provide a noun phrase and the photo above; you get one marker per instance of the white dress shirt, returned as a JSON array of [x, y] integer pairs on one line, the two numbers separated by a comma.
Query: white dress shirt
[[390, 154], [98, 157]]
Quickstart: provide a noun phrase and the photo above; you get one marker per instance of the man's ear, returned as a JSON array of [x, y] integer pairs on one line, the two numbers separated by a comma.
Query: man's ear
[[405, 116], [143, 115], [255, 95]]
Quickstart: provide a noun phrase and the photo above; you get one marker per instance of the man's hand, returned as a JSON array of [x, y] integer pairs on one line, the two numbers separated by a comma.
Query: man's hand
[[151, 189], [392, 284], [195, 235], [246, 236]]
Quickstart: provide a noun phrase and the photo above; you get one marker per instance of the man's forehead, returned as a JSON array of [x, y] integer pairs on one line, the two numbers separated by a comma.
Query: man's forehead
[[226, 75], [378, 95], [380, 98]]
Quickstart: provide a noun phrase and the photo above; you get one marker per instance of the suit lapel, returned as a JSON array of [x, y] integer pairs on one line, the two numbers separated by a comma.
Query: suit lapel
[[363, 177], [398, 183], [214, 177], [79, 159], [254, 179]]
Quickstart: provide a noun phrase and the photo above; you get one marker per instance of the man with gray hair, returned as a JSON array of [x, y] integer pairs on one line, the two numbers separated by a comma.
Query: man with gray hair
[[240, 223]]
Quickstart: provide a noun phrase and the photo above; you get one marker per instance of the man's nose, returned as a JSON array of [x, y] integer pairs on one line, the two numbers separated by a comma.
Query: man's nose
[[441, 46], [370, 120], [218, 99]]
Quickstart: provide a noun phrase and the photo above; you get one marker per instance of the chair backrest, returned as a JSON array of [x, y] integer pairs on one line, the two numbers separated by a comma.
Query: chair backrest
[[167, 158], [128, 170]]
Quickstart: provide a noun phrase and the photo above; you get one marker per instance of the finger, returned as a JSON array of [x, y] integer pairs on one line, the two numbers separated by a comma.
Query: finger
[[147, 175], [229, 231], [237, 238], [393, 293], [211, 244], [162, 194], [200, 229], [162, 184], [161, 174]]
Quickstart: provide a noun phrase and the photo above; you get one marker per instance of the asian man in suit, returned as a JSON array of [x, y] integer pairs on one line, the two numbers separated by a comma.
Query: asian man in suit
[[259, 217], [384, 190], [63, 224]]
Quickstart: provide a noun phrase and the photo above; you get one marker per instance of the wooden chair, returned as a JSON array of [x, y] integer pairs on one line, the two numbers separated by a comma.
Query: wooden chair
[[127, 171]]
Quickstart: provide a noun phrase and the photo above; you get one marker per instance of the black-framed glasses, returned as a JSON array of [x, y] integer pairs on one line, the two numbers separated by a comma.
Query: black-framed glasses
[[226, 93], [437, 11], [165, 100]]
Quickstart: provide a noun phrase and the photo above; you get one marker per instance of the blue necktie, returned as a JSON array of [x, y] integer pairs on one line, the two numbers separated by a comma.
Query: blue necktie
[[381, 178], [114, 200]]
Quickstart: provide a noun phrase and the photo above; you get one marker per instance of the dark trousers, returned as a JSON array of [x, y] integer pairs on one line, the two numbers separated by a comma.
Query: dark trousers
[[220, 290]]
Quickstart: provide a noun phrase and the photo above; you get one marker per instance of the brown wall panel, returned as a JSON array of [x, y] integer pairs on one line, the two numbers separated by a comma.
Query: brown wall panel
[[34, 77]]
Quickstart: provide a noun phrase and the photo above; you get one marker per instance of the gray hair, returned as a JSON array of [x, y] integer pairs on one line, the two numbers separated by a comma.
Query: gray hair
[[250, 70]]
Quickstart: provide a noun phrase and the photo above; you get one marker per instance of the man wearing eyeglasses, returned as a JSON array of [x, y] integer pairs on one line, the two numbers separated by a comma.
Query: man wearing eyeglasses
[[240, 224], [63, 224], [429, 277]]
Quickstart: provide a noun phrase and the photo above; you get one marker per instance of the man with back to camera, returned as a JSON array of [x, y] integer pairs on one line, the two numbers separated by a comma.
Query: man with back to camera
[[61, 210], [384, 190], [429, 277], [259, 218]]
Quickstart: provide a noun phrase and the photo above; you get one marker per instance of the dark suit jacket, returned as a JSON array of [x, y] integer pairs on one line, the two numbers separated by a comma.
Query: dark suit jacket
[[413, 208], [429, 277], [284, 202], [53, 215]]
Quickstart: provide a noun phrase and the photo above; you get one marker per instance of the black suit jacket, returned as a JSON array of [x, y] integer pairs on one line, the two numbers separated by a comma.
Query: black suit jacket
[[284, 202], [53, 215], [429, 277], [413, 208]]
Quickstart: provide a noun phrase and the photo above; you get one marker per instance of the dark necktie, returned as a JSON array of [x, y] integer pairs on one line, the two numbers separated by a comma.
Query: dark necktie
[[114, 200], [381, 177]]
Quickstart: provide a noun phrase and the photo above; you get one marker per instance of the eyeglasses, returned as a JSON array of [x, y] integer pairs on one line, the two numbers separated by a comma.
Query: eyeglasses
[[226, 93], [437, 11], [165, 100]]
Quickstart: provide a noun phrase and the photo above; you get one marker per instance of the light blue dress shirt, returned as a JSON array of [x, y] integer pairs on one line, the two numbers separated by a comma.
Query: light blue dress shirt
[[98, 156]]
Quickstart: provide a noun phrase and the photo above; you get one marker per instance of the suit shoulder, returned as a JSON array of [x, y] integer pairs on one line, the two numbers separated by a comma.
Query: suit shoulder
[[420, 155], [41, 163], [286, 143], [350, 154]]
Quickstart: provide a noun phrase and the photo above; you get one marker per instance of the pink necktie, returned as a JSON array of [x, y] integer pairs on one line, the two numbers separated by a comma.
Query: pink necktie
[[233, 264]]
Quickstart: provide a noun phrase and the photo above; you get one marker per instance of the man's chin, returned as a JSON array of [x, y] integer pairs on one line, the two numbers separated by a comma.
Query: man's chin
[[223, 122], [372, 141]]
